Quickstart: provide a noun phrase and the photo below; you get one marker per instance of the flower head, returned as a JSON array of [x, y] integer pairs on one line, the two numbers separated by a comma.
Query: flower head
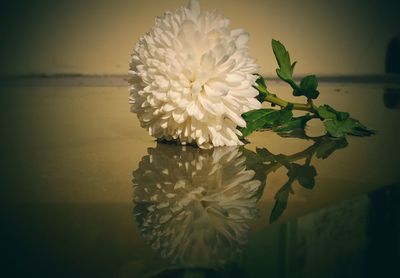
[[191, 78], [193, 205]]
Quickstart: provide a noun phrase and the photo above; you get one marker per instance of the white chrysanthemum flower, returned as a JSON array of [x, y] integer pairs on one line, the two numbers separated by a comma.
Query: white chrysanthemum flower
[[193, 205], [191, 78]]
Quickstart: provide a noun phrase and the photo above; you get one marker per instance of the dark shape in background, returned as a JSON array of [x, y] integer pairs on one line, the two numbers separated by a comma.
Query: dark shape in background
[[393, 56], [391, 98]]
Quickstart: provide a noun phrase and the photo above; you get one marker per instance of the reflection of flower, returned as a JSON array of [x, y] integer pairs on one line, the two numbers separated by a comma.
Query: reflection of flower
[[191, 78], [192, 205]]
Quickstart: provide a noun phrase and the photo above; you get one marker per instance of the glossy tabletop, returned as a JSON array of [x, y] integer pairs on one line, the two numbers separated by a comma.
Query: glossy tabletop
[[85, 192]]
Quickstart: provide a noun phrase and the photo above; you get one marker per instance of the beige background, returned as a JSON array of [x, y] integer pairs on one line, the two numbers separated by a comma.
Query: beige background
[[96, 37]]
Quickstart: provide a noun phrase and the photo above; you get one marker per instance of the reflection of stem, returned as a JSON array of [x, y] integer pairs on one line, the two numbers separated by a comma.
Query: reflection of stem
[[307, 153], [310, 151], [278, 162], [266, 162]]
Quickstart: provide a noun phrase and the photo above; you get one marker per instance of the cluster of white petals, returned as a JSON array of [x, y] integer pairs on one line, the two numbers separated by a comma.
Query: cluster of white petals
[[191, 78], [193, 205]]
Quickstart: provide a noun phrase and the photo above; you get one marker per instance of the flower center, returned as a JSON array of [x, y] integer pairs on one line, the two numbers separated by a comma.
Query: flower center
[[196, 87], [197, 83]]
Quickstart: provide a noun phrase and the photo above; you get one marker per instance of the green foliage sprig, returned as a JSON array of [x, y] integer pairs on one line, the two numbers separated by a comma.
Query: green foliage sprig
[[337, 124]]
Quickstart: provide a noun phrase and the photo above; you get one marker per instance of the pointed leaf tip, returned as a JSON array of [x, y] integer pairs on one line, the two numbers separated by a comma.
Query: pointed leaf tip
[[285, 70]]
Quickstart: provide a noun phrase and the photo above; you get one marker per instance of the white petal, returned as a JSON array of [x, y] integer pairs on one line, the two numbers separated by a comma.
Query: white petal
[[211, 92]]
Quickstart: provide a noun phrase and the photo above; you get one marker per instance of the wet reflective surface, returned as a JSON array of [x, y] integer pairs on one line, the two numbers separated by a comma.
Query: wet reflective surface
[[86, 193]]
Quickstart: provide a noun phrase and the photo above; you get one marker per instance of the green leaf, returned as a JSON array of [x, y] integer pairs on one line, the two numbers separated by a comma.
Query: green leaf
[[338, 124], [255, 120], [327, 112], [261, 83], [265, 118], [293, 65], [329, 146], [308, 87], [262, 88], [285, 71], [337, 128], [280, 117], [293, 124]]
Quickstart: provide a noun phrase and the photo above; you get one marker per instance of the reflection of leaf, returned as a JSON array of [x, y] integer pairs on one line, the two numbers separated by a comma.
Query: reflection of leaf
[[263, 162], [281, 202], [255, 162], [305, 175], [264, 153], [329, 146]]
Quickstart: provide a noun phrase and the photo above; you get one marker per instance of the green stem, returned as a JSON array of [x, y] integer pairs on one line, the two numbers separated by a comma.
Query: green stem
[[272, 98]]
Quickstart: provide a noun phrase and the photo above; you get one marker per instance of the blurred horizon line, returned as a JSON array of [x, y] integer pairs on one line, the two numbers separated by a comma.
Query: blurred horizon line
[[120, 80]]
